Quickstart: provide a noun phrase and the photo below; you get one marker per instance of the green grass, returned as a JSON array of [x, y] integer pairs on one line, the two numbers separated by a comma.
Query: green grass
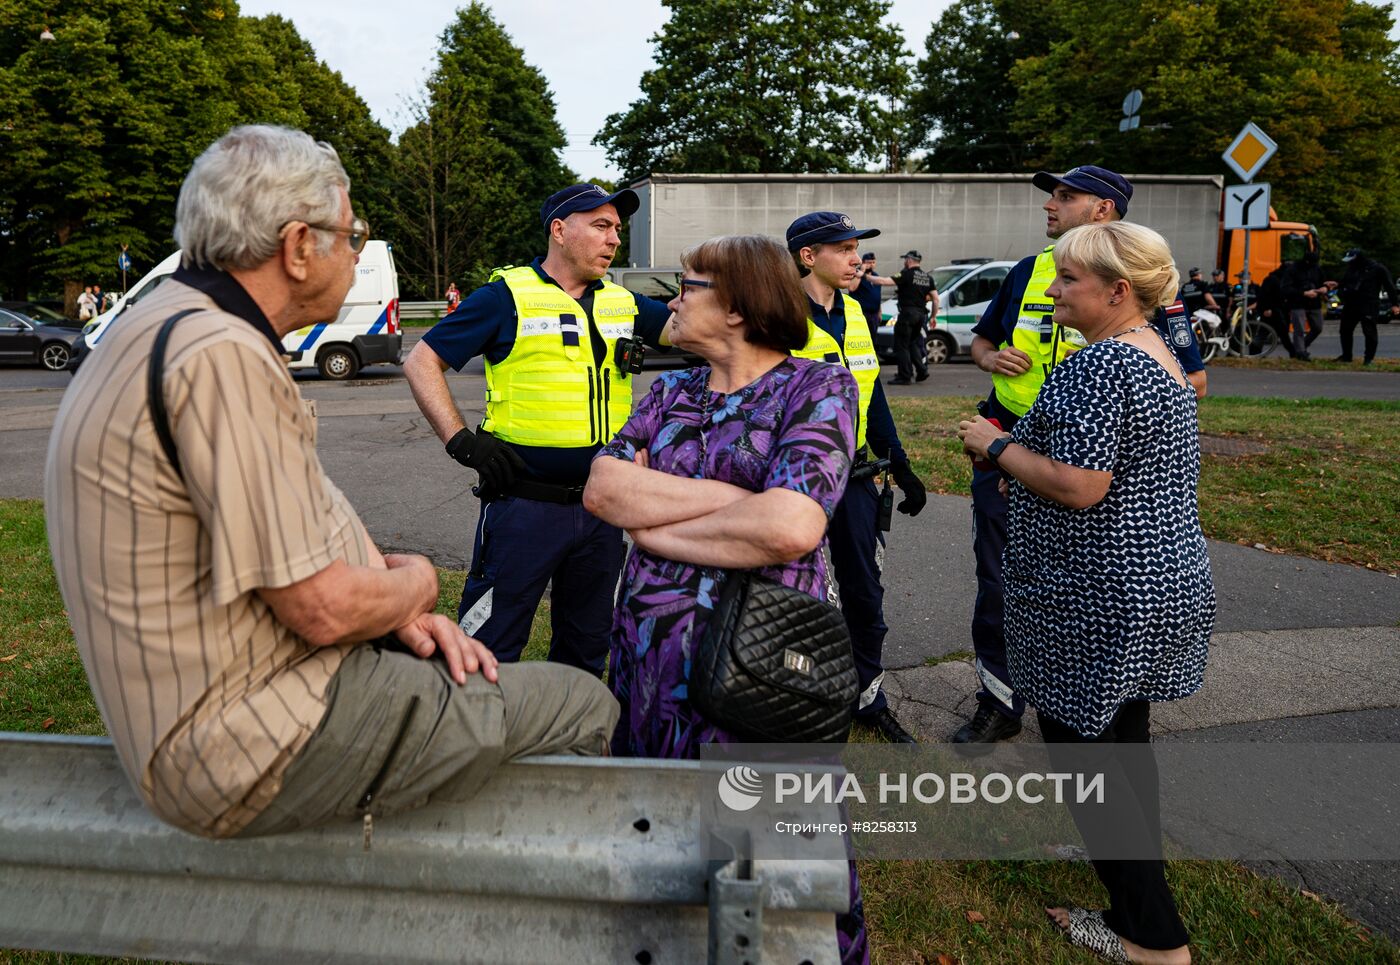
[[1328, 486], [1281, 362], [917, 911], [965, 656]]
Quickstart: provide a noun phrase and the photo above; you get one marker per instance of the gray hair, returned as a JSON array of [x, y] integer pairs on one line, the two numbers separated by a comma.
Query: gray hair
[[246, 186]]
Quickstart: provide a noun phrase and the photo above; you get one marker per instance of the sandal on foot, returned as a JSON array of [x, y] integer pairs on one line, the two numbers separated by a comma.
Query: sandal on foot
[[1087, 929]]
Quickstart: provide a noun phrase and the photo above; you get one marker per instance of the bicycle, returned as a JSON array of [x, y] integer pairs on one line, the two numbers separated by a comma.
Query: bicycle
[[1241, 337]]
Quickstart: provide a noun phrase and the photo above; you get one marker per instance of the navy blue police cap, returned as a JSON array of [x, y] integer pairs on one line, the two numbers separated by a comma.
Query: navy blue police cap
[[824, 226], [1090, 179], [586, 197]]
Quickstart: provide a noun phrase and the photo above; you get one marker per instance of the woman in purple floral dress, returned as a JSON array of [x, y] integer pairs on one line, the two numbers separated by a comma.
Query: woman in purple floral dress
[[734, 465]]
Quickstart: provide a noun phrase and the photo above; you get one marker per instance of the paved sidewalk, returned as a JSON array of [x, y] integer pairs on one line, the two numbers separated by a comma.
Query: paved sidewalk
[[1322, 685]]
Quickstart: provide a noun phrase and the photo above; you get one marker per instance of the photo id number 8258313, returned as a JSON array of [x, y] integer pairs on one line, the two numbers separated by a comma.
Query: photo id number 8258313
[[885, 827]]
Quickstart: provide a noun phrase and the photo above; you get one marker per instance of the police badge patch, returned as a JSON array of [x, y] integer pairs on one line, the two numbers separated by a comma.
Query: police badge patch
[[1178, 326]]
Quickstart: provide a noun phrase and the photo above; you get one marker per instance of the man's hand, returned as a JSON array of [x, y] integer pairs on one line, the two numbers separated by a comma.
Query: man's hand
[[915, 495], [497, 463], [1009, 361], [432, 632]]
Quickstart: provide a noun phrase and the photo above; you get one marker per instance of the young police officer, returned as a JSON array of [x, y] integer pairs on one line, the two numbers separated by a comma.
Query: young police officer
[[561, 345], [1018, 342], [823, 245]]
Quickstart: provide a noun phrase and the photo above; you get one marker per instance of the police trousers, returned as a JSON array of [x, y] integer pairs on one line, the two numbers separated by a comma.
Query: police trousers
[[857, 546], [524, 545], [989, 509]]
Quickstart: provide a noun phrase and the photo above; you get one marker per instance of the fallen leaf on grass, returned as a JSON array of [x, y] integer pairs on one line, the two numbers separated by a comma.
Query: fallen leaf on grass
[[946, 960], [8, 657], [976, 916], [1252, 913], [1313, 895], [48, 722]]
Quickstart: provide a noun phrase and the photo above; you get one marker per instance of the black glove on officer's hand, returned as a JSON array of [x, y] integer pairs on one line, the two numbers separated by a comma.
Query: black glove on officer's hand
[[497, 463], [915, 495]]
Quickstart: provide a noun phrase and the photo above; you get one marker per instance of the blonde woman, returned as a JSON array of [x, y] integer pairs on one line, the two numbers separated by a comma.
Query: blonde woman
[[1109, 600]]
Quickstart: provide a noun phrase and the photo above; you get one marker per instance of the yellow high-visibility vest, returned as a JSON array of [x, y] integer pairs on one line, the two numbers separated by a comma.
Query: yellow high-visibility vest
[[548, 391], [1038, 336], [856, 352]]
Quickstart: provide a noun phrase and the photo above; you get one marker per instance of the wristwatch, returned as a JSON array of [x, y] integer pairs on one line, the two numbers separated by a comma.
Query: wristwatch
[[995, 449]]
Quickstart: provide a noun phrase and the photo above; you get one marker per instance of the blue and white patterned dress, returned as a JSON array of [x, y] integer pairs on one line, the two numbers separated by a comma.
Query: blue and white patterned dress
[[1115, 602]]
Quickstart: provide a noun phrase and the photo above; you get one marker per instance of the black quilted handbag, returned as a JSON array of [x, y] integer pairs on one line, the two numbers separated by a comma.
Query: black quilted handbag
[[775, 665]]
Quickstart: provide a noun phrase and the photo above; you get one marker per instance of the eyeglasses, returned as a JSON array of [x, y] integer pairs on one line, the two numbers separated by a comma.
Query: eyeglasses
[[357, 234], [694, 283]]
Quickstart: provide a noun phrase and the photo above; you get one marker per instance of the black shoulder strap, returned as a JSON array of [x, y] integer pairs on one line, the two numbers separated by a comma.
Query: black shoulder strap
[[155, 375]]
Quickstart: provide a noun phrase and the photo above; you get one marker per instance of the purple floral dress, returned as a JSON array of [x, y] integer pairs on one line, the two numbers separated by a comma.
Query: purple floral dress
[[794, 428]]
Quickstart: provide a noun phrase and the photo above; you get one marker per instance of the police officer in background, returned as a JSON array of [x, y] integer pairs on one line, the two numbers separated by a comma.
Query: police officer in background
[[1219, 290], [1361, 288], [823, 245], [561, 344], [866, 289], [1195, 295], [1018, 342], [915, 291]]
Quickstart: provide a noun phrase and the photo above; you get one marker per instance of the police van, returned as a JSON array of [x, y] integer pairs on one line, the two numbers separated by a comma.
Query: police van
[[366, 332]]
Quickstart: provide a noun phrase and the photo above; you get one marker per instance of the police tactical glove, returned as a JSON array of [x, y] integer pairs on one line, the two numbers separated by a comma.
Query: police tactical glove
[[915, 495], [497, 463]]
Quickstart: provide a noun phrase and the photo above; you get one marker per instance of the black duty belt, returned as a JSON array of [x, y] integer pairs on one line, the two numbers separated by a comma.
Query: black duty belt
[[546, 492]]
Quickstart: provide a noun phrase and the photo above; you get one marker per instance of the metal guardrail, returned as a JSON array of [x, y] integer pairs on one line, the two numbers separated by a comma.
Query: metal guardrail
[[422, 309], [558, 859]]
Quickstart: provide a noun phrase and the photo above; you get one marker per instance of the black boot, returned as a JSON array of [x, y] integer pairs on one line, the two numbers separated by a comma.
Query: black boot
[[987, 727], [884, 721]]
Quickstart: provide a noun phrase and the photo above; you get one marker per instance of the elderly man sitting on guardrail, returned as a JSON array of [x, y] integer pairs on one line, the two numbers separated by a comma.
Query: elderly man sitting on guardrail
[[260, 666]]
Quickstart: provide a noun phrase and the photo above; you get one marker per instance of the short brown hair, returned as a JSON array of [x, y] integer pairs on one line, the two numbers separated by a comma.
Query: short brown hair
[[755, 278]]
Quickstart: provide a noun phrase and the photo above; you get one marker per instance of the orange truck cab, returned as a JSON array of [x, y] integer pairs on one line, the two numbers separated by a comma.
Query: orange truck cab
[[1266, 247]]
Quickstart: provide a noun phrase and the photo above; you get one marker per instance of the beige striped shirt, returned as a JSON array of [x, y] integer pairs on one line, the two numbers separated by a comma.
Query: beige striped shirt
[[206, 695]]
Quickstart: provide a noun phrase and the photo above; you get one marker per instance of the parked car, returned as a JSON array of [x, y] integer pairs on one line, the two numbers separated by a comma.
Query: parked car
[[47, 314], [27, 341], [964, 288]]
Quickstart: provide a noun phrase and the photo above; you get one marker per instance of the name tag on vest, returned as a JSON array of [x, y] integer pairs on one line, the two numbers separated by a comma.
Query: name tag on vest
[[614, 331], [539, 326], [862, 362]]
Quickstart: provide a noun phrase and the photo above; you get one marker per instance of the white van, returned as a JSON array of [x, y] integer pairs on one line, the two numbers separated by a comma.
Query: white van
[[365, 333]]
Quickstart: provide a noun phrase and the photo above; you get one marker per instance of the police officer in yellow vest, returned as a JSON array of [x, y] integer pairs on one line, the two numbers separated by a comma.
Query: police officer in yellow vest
[[824, 245], [561, 344], [1018, 342]]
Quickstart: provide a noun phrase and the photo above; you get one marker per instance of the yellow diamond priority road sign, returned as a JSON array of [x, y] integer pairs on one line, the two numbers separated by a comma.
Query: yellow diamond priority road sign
[[1249, 151]]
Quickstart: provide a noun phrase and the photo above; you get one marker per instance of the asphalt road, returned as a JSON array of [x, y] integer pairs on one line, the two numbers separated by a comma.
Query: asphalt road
[[961, 377]]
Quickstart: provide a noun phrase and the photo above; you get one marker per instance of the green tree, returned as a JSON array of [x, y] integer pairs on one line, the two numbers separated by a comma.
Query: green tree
[[313, 98], [480, 156], [961, 105], [91, 125], [99, 126], [771, 86], [1320, 76]]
